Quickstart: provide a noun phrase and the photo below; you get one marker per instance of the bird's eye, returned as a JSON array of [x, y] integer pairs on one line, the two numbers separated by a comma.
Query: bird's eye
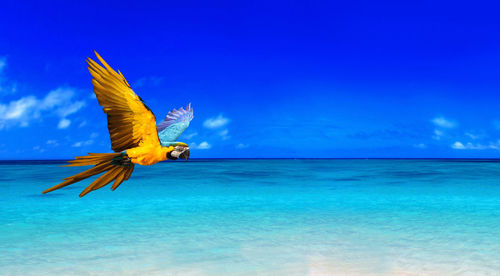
[[170, 156]]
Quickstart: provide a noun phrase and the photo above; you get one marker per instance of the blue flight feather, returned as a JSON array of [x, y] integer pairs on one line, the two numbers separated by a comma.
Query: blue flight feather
[[174, 124]]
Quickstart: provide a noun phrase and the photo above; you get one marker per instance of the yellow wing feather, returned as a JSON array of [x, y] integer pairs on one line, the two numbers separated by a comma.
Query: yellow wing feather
[[130, 122]]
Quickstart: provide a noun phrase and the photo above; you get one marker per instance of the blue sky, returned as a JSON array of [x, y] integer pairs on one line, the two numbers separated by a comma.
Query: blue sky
[[265, 78]]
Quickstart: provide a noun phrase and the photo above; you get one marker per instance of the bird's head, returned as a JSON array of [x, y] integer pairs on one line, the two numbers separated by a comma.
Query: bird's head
[[181, 150]]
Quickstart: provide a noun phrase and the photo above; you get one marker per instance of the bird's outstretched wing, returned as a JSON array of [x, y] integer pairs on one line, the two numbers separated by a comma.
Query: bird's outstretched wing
[[130, 122], [174, 124]]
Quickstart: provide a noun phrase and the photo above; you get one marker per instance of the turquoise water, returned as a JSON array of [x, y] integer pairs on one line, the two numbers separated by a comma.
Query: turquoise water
[[256, 217]]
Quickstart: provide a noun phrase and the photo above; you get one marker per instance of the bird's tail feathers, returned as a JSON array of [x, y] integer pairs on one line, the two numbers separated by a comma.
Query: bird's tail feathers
[[117, 167]]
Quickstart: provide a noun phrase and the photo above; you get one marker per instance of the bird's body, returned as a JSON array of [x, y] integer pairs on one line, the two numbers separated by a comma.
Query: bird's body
[[148, 154], [135, 137]]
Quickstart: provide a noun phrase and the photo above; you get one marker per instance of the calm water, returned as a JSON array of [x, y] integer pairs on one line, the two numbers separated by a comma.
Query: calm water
[[256, 217]]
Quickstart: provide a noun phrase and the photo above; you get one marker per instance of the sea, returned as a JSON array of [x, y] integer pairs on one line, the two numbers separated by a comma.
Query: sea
[[256, 217]]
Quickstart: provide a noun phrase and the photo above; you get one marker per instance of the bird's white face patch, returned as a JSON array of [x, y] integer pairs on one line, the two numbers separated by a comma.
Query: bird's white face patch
[[180, 152]]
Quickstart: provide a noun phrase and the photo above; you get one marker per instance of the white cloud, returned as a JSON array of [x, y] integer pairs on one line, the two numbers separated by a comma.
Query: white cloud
[[38, 148], [420, 146], [82, 124], [474, 136], [61, 99], [216, 122], [52, 142], [66, 110], [458, 145], [57, 102], [224, 134], [18, 108], [3, 63], [443, 122], [242, 146], [63, 123], [437, 134], [83, 143], [56, 97], [202, 146], [5, 88], [470, 146]]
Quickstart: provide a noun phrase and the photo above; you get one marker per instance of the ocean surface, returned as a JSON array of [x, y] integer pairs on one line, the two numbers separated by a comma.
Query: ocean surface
[[256, 217]]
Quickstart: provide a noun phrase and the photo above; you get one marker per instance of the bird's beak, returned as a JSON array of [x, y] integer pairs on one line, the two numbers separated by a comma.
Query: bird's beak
[[185, 154]]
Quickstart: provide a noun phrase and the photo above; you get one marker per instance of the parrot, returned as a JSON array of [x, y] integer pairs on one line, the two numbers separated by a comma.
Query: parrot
[[135, 136]]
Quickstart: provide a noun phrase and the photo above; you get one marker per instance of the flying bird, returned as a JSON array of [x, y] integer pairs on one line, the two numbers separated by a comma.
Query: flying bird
[[135, 137]]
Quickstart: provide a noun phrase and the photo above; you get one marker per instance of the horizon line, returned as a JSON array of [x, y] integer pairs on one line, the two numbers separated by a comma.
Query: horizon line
[[290, 158]]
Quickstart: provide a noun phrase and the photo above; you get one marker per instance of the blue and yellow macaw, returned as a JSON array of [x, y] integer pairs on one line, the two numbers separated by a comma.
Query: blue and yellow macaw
[[135, 137]]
